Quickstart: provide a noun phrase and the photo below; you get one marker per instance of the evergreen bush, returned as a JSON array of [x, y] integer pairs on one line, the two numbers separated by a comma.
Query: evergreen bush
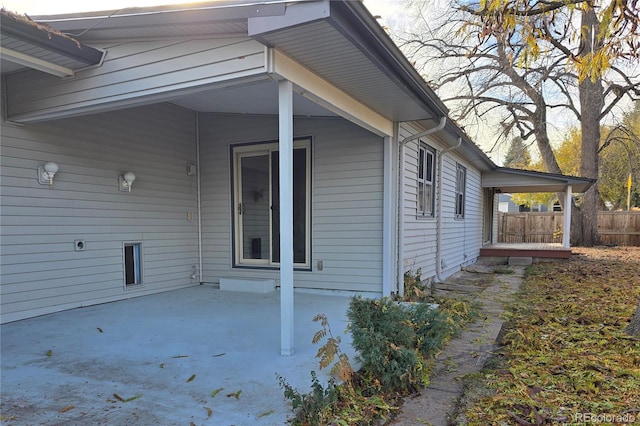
[[432, 328], [385, 339]]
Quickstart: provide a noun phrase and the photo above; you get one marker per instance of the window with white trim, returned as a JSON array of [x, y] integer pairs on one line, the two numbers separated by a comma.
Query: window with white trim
[[426, 180], [461, 184], [257, 204]]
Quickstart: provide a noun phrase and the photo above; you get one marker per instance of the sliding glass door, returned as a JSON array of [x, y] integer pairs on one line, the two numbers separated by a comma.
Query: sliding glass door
[[257, 209]]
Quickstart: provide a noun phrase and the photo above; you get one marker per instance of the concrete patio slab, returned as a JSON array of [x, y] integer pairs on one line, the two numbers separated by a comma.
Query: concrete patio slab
[[160, 359]]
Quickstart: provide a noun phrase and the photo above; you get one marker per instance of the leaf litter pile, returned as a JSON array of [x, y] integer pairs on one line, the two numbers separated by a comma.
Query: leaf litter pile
[[565, 355]]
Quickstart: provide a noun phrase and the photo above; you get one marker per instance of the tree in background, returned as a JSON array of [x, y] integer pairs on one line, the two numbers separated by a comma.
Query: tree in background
[[620, 163], [517, 60], [518, 156], [619, 154]]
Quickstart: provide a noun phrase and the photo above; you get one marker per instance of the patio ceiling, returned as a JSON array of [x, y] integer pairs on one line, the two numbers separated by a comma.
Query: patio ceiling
[[260, 98]]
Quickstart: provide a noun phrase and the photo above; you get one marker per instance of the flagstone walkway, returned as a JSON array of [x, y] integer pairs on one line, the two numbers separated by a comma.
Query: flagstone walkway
[[468, 352]]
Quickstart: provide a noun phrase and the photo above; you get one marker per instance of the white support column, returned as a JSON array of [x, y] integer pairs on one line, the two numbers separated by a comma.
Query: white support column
[[285, 101], [567, 218], [387, 218]]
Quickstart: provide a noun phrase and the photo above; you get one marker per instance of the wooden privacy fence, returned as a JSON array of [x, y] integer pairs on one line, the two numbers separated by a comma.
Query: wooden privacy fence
[[619, 228]]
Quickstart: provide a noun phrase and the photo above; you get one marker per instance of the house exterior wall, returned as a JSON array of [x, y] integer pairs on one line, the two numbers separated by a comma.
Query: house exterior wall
[[461, 239], [346, 200], [419, 233], [41, 271], [135, 71]]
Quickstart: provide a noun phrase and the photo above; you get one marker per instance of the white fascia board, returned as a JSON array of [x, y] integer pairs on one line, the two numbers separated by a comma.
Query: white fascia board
[[11, 55], [320, 91]]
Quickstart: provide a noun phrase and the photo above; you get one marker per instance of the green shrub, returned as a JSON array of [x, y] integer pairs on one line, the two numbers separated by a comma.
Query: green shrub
[[432, 329], [350, 403], [316, 407], [394, 342], [385, 338]]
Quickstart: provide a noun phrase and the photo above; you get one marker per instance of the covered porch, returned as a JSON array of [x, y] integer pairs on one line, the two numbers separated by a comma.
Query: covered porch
[[209, 127], [507, 180]]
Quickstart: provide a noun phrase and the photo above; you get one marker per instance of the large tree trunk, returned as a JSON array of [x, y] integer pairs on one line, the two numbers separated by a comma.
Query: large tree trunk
[[634, 326], [551, 165], [591, 95], [575, 238], [542, 139]]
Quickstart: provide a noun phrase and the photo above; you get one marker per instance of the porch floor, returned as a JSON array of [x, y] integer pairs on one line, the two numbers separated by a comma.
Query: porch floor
[[534, 250], [171, 351]]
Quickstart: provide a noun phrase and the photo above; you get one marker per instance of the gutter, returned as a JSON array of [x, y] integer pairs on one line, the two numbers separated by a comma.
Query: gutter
[[440, 126], [36, 34], [439, 208]]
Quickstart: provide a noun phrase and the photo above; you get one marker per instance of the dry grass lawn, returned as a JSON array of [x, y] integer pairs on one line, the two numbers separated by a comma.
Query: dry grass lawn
[[565, 358]]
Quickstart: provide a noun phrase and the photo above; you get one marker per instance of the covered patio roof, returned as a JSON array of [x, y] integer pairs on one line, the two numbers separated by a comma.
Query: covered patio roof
[[509, 180], [340, 41]]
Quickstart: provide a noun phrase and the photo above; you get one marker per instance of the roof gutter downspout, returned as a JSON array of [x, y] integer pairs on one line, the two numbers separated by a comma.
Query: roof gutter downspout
[[439, 209], [440, 126], [199, 189]]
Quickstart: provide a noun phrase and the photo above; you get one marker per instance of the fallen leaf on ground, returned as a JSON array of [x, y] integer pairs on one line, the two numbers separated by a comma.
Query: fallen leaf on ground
[[265, 414], [235, 395]]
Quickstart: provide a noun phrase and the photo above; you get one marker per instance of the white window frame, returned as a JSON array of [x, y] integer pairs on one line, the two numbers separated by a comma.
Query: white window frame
[[257, 149], [138, 260], [461, 190], [425, 207]]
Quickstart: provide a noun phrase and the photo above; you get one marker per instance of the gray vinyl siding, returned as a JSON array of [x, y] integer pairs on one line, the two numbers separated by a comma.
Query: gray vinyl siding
[[41, 272], [419, 233], [346, 210], [460, 239], [135, 71]]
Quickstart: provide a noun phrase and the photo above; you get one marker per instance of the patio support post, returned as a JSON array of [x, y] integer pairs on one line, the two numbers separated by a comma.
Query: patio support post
[[285, 102], [567, 218], [387, 213]]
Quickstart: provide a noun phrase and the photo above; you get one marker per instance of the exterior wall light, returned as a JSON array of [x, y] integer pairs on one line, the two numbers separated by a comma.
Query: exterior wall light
[[46, 173], [126, 181]]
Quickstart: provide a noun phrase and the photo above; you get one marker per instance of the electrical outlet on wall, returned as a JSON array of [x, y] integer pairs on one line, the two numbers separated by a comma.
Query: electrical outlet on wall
[[320, 265]]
